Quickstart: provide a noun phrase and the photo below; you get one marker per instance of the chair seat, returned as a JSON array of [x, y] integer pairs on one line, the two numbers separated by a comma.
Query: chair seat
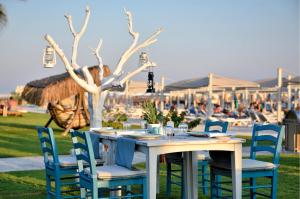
[[70, 161], [115, 171], [247, 165]]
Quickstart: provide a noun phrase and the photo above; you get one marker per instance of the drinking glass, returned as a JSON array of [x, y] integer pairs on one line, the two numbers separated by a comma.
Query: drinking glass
[[169, 131], [183, 127]]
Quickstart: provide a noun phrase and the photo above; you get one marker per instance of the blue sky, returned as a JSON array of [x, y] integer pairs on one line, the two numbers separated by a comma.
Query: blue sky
[[246, 39]]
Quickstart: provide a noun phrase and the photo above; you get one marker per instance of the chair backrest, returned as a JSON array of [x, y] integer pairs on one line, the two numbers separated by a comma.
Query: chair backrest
[[48, 145], [270, 142], [211, 125], [84, 151]]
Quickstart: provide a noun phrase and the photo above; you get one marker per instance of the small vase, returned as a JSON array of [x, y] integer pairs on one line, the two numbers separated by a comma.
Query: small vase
[[153, 128]]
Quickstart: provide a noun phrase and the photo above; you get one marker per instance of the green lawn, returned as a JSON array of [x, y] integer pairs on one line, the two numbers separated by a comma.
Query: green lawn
[[31, 184], [18, 136]]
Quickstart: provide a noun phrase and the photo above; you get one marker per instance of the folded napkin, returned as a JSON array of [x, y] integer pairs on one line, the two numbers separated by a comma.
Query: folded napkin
[[125, 152], [95, 142]]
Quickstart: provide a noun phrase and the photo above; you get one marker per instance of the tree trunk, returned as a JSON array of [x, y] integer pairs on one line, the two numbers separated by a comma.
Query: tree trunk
[[96, 102]]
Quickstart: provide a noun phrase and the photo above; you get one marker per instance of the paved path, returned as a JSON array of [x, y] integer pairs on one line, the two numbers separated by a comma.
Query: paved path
[[37, 163]]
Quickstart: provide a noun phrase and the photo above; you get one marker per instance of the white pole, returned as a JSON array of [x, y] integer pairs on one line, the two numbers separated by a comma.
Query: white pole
[[279, 85], [246, 98], [177, 100], [209, 100], [126, 95], [189, 99], [162, 93], [289, 93], [223, 99], [232, 98]]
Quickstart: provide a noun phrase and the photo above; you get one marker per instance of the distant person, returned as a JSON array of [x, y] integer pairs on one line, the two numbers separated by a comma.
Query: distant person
[[202, 109], [217, 109], [173, 107], [11, 104], [298, 112], [192, 109]]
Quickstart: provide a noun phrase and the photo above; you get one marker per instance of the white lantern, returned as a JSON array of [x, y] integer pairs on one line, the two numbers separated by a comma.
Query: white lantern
[[49, 57], [143, 58]]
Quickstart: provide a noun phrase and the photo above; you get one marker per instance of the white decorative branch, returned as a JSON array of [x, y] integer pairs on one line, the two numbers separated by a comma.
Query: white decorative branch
[[81, 82], [77, 35], [128, 76], [99, 59], [132, 49]]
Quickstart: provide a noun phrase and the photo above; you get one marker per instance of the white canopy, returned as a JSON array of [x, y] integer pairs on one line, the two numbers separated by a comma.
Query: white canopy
[[272, 82], [217, 82]]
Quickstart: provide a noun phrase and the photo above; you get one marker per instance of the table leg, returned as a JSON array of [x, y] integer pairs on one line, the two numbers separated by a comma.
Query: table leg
[[151, 167], [236, 164], [157, 175], [190, 166]]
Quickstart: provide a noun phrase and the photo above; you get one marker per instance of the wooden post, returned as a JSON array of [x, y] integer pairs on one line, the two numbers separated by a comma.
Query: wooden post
[[4, 113]]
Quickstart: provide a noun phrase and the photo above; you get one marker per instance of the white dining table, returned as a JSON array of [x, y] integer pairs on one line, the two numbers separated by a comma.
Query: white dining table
[[189, 145]]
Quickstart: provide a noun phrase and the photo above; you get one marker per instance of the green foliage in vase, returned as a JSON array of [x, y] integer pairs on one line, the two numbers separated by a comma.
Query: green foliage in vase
[[150, 113], [177, 118]]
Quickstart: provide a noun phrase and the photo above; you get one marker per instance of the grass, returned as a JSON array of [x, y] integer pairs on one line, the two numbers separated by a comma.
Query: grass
[[18, 136], [31, 184]]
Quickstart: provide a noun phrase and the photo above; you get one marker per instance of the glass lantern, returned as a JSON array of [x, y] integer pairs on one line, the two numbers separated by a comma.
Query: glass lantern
[[49, 57]]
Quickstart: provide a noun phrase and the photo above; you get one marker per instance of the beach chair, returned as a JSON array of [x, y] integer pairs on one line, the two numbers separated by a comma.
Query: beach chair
[[203, 173], [60, 171], [253, 168], [112, 177]]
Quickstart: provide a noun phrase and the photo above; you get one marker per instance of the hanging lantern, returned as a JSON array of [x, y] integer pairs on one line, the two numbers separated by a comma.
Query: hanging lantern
[[49, 57], [150, 83], [143, 58]]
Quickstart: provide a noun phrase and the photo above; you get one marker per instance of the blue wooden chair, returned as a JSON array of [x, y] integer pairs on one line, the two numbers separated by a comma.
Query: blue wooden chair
[[203, 173], [62, 172], [252, 168], [111, 177]]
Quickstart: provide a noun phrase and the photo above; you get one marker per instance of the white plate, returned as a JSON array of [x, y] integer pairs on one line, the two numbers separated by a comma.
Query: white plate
[[142, 136], [208, 134]]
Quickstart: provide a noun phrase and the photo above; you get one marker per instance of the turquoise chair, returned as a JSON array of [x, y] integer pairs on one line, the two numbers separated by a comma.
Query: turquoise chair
[[252, 168], [62, 172], [203, 173], [93, 180]]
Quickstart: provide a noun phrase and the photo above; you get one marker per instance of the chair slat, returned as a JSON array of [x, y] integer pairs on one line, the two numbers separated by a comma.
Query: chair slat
[[264, 148], [47, 150], [268, 127], [266, 138], [83, 157], [80, 146], [45, 139]]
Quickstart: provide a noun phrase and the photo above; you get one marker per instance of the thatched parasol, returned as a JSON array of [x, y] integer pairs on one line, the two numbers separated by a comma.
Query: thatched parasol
[[57, 87]]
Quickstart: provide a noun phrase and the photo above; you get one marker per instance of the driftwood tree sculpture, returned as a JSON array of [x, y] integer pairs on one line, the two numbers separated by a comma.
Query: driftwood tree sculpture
[[97, 94]]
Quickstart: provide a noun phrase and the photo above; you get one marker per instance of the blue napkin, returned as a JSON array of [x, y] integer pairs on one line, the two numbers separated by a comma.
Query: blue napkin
[[95, 142], [125, 152]]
